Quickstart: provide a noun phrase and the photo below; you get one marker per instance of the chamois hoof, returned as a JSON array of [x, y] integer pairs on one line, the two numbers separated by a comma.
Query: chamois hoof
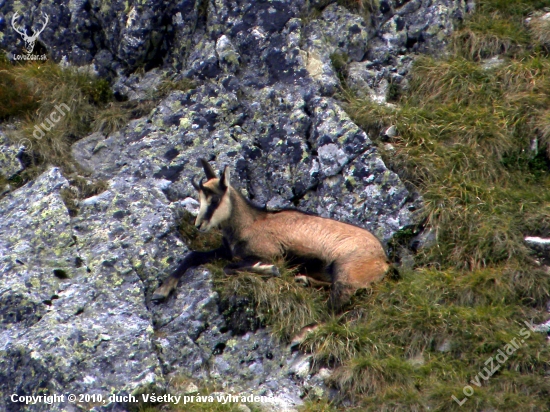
[[263, 269], [164, 291], [159, 295], [302, 280]]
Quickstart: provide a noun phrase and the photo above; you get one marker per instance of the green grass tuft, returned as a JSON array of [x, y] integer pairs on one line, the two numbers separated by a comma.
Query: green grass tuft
[[170, 85], [499, 28], [195, 240], [113, 118], [463, 142], [366, 6], [278, 301]]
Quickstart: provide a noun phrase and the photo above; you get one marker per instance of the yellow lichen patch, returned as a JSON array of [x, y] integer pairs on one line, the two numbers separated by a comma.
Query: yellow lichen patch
[[314, 65]]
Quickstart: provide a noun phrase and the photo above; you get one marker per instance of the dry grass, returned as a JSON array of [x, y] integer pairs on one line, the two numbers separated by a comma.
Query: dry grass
[[498, 28], [53, 107], [278, 301], [114, 117], [368, 6], [487, 36], [169, 85], [463, 135]]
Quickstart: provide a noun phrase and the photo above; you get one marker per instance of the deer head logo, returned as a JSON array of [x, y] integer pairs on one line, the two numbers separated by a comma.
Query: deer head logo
[[29, 40]]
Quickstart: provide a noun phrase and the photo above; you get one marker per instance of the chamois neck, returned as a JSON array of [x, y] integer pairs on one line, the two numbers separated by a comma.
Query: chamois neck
[[243, 214]]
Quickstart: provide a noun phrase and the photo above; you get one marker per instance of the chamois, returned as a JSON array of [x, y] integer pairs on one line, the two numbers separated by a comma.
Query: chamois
[[334, 254]]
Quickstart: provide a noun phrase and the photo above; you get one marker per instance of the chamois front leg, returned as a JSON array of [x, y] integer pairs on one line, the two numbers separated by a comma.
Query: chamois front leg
[[251, 265], [193, 259]]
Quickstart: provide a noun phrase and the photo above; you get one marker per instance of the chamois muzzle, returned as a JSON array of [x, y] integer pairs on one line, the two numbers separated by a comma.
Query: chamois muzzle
[[199, 221]]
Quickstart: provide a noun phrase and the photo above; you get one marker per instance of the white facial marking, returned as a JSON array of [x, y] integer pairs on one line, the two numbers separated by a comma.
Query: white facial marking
[[202, 211]]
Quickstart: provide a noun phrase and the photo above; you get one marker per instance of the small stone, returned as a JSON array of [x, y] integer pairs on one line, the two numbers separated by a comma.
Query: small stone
[[301, 366], [391, 131], [445, 346], [324, 373], [191, 388]]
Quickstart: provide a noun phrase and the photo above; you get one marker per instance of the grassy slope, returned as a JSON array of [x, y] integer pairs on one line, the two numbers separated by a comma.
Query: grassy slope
[[463, 141], [29, 93]]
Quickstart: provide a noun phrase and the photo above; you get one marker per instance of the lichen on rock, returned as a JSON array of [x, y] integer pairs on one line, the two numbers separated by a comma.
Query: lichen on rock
[[75, 309]]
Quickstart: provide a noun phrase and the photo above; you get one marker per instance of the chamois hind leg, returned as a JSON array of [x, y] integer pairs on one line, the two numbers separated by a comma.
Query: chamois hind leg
[[309, 281], [251, 265], [355, 273], [340, 294]]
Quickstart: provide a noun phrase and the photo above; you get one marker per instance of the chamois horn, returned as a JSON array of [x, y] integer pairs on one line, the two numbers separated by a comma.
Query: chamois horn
[[208, 171], [195, 184]]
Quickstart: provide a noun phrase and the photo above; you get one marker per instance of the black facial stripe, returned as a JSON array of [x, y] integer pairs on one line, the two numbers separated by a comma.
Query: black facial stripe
[[211, 192], [210, 212]]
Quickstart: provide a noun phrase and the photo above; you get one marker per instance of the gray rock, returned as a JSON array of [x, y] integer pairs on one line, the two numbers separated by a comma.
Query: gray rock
[[113, 36], [391, 131], [72, 294], [9, 161], [227, 55], [139, 86], [75, 291], [539, 245]]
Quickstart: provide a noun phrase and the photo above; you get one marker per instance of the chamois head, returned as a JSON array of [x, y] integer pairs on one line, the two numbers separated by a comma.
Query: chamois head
[[215, 208]]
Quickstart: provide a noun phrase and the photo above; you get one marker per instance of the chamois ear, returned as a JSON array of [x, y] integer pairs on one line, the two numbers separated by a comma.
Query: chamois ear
[[208, 171], [225, 177]]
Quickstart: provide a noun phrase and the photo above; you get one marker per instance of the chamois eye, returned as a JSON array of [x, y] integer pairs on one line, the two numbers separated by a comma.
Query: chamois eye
[[215, 200]]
